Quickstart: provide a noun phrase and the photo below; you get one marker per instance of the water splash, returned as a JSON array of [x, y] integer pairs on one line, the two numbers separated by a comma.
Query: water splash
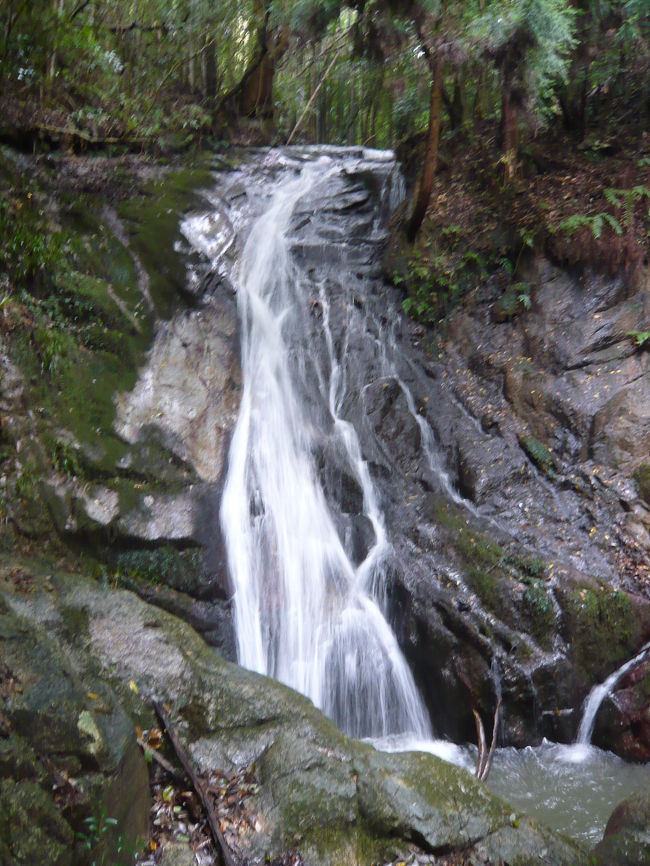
[[598, 694], [304, 613]]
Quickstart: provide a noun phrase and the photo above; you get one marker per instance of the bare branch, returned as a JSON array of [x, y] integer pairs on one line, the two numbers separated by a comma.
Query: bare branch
[[197, 782]]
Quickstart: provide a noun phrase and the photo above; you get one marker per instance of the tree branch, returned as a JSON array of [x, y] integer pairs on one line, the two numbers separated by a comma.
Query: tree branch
[[159, 759], [80, 8], [143, 28], [197, 782], [314, 95], [485, 757]]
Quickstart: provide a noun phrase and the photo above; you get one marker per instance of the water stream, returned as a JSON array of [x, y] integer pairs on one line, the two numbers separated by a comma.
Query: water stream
[[310, 571], [598, 694], [304, 612]]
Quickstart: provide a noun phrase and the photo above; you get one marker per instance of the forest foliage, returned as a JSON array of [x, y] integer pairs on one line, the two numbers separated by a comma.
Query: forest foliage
[[136, 70], [484, 77]]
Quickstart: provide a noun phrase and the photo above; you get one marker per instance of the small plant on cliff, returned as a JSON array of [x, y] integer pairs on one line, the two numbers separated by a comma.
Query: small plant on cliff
[[29, 251], [96, 838], [65, 458], [436, 281], [641, 338], [574, 223], [627, 199]]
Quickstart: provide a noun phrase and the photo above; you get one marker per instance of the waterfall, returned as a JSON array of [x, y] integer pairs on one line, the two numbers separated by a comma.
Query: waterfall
[[305, 612], [598, 694]]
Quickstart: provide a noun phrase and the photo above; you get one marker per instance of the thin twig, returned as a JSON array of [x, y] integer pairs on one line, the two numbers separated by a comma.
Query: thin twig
[[482, 748], [313, 96], [495, 726], [485, 757]]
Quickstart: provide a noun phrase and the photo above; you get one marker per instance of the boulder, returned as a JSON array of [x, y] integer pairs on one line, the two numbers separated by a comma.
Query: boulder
[[328, 798], [70, 751], [189, 388], [626, 841], [623, 722]]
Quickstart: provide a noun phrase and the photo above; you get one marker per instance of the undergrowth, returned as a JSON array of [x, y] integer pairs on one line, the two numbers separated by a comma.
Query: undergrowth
[[578, 213]]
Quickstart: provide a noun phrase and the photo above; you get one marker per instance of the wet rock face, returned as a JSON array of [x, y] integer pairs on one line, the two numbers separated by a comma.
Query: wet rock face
[[537, 587]]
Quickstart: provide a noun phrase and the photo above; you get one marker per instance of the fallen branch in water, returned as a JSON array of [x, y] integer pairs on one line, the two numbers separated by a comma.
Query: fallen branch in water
[[485, 756], [198, 784]]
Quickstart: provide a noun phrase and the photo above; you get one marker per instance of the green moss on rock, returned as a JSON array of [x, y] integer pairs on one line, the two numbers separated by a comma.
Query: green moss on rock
[[539, 455], [642, 478], [31, 827], [152, 219], [541, 613], [604, 626]]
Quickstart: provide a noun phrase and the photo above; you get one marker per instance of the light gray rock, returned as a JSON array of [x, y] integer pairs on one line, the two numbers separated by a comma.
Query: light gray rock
[[189, 387]]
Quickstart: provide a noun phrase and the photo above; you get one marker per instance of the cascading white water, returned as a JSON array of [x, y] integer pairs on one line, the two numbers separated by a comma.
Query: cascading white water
[[598, 694], [304, 612], [321, 345]]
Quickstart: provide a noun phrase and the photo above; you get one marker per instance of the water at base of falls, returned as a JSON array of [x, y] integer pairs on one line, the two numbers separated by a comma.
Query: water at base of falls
[[309, 572]]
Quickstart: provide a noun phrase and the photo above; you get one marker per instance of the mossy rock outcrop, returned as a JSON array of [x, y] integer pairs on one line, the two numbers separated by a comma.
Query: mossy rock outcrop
[[118, 391], [69, 751], [332, 799]]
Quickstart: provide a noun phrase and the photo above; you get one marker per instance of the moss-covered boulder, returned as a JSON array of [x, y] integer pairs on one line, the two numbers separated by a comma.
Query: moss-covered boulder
[[627, 835], [69, 751], [32, 829], [332, 799], [604, 627], [119, 384]]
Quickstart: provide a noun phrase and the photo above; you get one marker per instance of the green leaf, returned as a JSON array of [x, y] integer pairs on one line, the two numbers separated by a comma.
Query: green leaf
[[640, 337], [597, 225], [613, 222]]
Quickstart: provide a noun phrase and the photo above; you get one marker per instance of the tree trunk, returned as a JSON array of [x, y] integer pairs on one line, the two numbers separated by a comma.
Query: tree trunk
[[340, 110], [573, 95], [423, 193], [210, 72], [58, 14], [459, 100], [509, 130], [257, 92]]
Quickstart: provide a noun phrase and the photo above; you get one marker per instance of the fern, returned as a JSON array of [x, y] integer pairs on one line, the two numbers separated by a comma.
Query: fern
[[640, 338], [604, 217], [576, 222], [613, 222], [626, 198], [612, 196]]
